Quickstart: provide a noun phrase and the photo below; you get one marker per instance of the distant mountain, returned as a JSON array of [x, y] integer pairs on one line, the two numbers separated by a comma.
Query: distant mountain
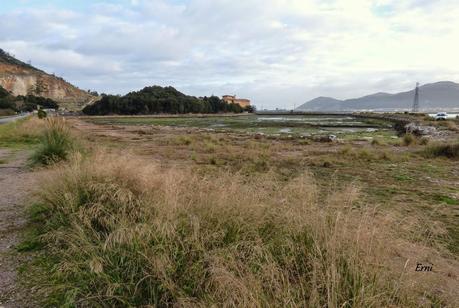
[[330, 102], [442, 95], [21, 78]]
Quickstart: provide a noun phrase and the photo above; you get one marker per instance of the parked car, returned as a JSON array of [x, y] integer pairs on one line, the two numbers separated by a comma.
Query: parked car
[[441, 116]]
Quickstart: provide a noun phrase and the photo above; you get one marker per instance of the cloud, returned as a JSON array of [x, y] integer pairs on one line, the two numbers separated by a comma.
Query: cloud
[[277, 52]]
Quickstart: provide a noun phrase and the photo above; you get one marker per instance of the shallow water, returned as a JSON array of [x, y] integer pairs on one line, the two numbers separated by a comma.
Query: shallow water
[[292, 125]]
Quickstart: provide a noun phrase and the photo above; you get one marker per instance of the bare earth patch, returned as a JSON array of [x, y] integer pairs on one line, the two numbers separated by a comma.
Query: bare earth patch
[[16, 183]]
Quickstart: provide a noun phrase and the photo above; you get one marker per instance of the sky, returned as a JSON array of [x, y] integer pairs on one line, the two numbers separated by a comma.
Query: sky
[[278, 53]]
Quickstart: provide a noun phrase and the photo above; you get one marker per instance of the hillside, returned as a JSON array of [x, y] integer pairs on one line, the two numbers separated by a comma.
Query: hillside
[[330, 103], [433, 97], [20, 78]]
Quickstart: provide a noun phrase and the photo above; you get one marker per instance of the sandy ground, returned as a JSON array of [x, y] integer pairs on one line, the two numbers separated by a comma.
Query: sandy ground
[[16, 183]]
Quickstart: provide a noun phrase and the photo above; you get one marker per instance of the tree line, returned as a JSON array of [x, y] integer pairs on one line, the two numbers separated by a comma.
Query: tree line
[[24, 103], [157, 100]]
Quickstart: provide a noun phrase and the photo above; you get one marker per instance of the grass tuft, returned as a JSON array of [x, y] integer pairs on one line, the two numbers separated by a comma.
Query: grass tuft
[[56, 143], [442, 150], [408, 139]]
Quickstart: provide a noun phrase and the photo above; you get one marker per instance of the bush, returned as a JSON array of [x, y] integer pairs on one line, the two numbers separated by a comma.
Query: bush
[[56, 143], [443, 150], [408, 139], [41, 114], [123, 232]]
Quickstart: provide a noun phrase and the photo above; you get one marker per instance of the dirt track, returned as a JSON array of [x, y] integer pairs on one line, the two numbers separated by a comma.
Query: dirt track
[[16, 183]]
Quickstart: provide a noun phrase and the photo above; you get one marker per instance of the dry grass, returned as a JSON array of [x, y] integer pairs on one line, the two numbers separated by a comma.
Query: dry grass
[[448, 124], [408, 139], [448, 150], [22, 132], [124, 232]]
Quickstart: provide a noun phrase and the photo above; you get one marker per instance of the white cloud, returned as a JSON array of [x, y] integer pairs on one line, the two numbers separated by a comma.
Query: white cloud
[[277, 52]]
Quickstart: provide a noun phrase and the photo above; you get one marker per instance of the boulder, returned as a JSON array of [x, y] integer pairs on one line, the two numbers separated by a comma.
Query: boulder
[[420, 130]]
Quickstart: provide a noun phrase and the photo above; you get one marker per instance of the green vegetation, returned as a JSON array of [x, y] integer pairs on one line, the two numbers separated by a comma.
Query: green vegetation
[[448, 200], [56, 143], [159, 100], [345, 127], [41, 114], [22, 133], [443, 150], [6, 100], [32, 102], [24, 103]]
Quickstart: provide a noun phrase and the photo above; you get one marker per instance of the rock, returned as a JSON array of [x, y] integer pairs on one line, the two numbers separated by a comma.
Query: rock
[[420, 130], [22, 79], [332, 137], [329, 138], [259, 135]]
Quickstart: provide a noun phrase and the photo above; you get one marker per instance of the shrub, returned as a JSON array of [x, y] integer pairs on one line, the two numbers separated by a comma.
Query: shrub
[[41, 114], [442, 150], [56, 143], [408, 139]]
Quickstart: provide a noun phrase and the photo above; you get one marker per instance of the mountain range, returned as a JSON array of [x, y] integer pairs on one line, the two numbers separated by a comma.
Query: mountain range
[[23, 79], [443, 95]]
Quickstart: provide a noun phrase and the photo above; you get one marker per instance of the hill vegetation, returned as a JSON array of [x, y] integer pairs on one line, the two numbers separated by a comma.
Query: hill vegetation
[[24, 103], [6, 100], [7, 58], [157, 100]]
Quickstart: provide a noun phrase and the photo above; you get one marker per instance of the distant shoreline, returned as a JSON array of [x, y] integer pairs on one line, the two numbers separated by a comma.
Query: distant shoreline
[[187, 115]]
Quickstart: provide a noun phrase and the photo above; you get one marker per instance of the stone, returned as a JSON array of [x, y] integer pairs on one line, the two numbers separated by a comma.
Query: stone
[[420, 130]]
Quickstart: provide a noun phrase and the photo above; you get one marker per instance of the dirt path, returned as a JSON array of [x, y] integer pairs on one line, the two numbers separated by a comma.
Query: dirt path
[[16, 182]]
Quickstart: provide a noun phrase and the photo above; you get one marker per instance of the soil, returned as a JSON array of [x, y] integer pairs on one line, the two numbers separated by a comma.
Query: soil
[[16, 183]]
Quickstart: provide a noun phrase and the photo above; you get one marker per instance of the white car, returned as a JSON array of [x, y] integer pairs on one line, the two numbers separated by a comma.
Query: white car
[[441, 116]]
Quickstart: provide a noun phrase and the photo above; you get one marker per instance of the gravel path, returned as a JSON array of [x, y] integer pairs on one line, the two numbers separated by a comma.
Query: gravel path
[[16, 183]]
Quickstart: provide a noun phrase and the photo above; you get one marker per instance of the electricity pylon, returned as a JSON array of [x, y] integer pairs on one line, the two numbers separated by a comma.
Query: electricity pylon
[[416, 99]]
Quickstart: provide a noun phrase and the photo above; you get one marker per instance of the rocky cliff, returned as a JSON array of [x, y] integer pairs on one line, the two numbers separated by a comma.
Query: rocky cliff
[[22, 79]]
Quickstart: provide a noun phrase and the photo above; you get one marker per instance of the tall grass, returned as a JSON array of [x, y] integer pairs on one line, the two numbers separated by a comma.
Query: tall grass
[[449, 150], [21, 133], [56, 142], [123, 232]]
